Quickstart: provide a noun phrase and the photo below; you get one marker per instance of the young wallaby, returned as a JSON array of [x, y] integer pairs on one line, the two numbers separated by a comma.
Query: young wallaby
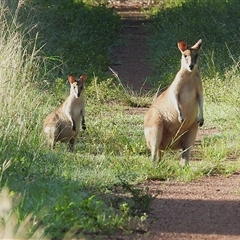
[[172, 120], [64, 122]]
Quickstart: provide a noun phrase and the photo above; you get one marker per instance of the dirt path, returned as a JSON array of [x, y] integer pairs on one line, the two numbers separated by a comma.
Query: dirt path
[[130, 60], [201, 210], [204, 209]]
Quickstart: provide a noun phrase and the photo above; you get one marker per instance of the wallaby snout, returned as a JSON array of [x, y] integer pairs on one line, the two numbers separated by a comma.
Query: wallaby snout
[[191, 66], [64, 122], [172, 120]]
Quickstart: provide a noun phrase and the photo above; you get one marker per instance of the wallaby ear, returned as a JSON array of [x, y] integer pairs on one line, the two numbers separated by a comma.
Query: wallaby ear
[[182, 46], [71, 78], [197, 45], [83, 77]]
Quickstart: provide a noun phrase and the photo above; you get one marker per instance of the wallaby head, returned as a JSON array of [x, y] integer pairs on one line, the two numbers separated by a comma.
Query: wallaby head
[[189, 54], [77, 86]]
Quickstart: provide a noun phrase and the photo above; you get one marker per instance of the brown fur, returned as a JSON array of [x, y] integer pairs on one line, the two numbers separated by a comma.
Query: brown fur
[[172, 120], [64, 122]]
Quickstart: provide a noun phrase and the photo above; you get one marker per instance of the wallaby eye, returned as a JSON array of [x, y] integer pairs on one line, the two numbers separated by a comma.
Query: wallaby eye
[[185, 55]]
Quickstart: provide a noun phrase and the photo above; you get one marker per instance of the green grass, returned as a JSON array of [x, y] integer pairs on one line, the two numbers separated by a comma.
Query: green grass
[[74, 36], [94, 191], [191, 21]]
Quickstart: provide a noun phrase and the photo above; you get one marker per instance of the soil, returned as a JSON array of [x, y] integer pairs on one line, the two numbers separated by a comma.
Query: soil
[[130, 60], [205, 209]]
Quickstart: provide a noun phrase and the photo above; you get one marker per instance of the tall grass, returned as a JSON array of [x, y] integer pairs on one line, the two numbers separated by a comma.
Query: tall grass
[[19, 116], [20, 97], [10, 227]]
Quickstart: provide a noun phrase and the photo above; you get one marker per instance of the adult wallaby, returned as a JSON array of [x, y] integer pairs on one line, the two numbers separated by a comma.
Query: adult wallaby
[[64, 122], [172, 120]]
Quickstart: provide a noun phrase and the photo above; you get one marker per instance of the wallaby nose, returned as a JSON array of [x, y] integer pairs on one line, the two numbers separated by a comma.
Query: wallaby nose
[[191, 66]]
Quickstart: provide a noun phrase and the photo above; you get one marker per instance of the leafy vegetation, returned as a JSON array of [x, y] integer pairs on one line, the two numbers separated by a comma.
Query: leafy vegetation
[[65, 194]]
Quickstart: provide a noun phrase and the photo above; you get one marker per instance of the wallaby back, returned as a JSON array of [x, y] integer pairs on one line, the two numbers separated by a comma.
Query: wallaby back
[[172, 120], [64, 122]]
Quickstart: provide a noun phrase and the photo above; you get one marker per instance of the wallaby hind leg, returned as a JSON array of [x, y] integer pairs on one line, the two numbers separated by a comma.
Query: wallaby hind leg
[[51, 144], [71, 145], [188, 140], [51, 140], [185, 157], [153, 137], [160, 154], [73, 125]]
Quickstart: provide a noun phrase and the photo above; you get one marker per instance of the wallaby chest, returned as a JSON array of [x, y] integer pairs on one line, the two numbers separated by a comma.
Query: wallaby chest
[[76, 109]]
